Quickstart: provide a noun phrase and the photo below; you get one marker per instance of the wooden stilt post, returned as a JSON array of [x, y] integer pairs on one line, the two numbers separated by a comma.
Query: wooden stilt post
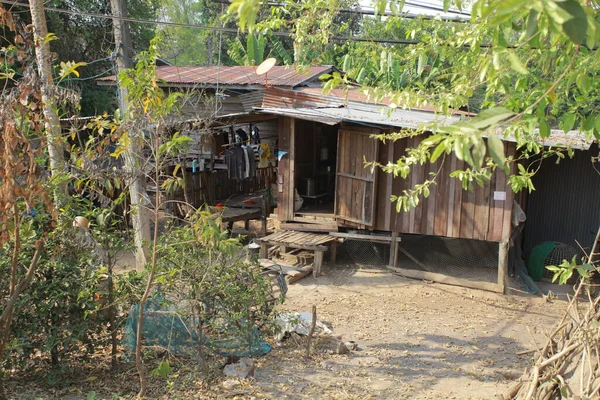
[[394, 250], [503, 266]]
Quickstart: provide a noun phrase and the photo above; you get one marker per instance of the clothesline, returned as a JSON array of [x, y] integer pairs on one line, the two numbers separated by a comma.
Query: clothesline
[[236, 143]]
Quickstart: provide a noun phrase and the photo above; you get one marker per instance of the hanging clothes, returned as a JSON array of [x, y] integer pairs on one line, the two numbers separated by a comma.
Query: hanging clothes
[[242, 135], [265, 155], [234, 159], [255, 135], [249, 162]]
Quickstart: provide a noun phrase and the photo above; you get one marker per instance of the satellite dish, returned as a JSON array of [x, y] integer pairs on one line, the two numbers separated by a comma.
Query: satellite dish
[[266, 66]]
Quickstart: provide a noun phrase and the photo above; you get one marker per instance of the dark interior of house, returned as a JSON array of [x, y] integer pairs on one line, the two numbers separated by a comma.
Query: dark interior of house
[[316, 156]]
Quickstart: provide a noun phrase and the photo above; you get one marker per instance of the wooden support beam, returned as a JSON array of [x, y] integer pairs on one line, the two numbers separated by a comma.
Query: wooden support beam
[[318, 263], [368, 238], [503, 266], [393, 249], [264, 250], [431, 276], [333, 255]]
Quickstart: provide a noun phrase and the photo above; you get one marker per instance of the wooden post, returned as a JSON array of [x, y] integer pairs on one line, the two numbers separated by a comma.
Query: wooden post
[[503, 266], [285, 170], [318, 263], [333, 256], [394, 250], [292, 170], [312, 331], [264, 250]]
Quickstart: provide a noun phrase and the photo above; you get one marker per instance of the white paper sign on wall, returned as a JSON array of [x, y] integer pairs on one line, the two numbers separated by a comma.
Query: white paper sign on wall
[[499, 196]]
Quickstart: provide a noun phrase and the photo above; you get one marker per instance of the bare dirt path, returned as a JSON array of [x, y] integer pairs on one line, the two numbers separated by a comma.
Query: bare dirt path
[[416, 340]]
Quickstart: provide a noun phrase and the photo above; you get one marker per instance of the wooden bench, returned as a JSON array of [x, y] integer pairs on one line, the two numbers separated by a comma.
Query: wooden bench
[[319, 244]]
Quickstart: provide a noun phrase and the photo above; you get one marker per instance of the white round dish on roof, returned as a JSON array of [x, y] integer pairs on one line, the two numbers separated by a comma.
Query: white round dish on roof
[[266, 66]]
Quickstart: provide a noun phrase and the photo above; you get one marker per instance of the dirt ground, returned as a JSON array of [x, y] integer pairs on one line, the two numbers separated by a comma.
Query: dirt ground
[[416, 340]]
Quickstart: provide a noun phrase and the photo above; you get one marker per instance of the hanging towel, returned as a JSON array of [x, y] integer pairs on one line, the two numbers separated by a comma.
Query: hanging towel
[[246, 162], [251, 162]]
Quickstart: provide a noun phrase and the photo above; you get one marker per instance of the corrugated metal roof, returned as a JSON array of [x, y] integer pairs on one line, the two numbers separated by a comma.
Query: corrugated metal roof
[[557, 138], [332, 115], [233, 76], [282, 98], [355, 106], [356, 94]]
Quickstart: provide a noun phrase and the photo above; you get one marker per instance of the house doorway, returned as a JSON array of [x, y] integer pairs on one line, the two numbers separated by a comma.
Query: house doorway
[[315, 169]]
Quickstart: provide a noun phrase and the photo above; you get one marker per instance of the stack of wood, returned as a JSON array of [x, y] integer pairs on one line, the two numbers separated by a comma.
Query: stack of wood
[[568, 365], [292, 273]]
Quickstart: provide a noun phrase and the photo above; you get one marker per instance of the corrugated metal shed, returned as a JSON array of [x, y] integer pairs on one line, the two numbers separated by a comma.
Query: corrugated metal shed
[[565, 205], [237, 76]]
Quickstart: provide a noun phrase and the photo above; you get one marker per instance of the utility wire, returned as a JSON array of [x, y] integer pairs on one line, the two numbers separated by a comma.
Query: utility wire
[[460, 16], [209, 28]]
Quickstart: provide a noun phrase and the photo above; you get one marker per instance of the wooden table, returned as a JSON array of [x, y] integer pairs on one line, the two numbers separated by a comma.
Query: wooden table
[[319, 244], [314, 197], [238, 209]]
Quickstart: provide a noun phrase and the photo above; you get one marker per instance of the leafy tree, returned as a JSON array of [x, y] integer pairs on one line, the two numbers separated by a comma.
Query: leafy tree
[[529, 66], [184, 46], [81, 38], [23, 184]]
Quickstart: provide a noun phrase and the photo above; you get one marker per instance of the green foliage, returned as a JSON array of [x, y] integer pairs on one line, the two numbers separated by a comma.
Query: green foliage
[[163, 369], [58, 311], [530, 67], [83, 39], [564, 271], [186, 47], [207, 276]]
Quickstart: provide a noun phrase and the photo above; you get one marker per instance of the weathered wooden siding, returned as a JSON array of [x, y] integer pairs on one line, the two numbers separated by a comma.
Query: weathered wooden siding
[[356, 186], [449, 210], [286, 169]]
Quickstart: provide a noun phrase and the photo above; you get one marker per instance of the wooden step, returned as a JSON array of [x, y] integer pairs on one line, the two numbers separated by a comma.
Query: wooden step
[[309, 227]]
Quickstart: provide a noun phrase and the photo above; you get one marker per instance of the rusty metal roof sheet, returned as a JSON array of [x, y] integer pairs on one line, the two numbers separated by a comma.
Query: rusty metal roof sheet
[[333, 115], [357, 94], [237, 76], [355, 106]]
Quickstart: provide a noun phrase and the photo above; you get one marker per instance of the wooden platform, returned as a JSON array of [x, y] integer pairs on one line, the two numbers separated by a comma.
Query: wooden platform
[[317, 243], [245, 208]]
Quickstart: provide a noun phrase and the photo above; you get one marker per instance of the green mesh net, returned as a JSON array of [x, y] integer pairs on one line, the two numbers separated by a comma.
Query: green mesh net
[[166, 328]]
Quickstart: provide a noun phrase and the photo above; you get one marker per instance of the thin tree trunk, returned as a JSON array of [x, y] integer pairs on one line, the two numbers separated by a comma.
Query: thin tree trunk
[[139, 363], [6, 317], [140, 215], [13, 286], [111, 319], [51, 121]]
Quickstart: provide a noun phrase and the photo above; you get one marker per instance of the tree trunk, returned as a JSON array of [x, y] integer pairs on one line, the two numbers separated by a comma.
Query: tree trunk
[[51, 121], [112, 311], [6, 317], [140, 215], [139, 363]]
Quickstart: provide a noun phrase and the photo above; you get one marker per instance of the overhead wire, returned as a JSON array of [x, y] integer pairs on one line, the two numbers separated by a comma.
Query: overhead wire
[[388, 13], [207, 27]]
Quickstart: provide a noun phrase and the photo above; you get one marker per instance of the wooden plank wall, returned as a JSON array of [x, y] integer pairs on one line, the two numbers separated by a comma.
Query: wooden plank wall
[[209, 187], [286, 170], [356, 185], [449, 211]]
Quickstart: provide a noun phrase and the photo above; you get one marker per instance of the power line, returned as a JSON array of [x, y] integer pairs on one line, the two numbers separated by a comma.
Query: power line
[[206, 27], [460, 17]]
